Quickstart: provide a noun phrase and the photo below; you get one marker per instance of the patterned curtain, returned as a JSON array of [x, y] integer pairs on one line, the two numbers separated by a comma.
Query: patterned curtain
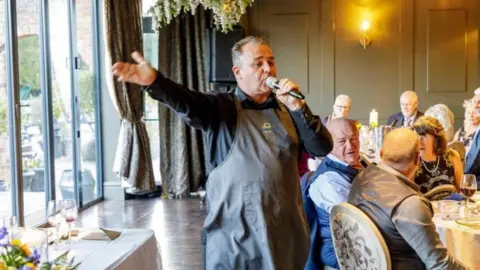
[[182, 58], [123, 30]]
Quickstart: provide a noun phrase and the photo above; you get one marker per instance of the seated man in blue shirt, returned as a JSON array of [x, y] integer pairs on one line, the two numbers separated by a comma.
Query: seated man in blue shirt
[[330, 185]]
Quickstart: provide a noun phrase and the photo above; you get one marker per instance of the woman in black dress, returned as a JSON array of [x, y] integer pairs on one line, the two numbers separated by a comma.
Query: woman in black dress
[[439, 165]]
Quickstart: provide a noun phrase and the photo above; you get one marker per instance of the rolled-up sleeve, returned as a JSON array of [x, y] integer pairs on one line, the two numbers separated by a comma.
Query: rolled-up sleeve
[[413, 220], [314, 136]]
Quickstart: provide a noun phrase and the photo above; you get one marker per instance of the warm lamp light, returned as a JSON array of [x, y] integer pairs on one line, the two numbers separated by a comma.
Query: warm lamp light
[[365, 39], [365, 25]]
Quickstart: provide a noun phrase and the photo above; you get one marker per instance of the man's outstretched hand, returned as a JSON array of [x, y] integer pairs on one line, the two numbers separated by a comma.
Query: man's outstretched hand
[[141, 73]]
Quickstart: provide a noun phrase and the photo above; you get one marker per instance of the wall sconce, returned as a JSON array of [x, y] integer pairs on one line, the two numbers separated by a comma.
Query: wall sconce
[[365, 39]]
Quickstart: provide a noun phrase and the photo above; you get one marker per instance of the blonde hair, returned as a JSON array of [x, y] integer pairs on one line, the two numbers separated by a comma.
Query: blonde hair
[[445, 116], [469, 105]]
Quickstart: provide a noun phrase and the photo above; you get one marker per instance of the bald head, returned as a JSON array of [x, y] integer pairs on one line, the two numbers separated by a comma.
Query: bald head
[[346, 145], [409, 103], [401, 151]]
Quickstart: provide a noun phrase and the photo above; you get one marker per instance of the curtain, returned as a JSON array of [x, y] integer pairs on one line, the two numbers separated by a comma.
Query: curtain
[[123, 35], [182, 58]]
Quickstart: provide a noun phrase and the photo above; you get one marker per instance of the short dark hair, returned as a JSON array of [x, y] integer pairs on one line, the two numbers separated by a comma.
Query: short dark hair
[[237, 48]]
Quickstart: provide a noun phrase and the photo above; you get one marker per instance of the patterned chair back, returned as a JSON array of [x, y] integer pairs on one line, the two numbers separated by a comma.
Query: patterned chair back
[[460, 148], [358, 243]]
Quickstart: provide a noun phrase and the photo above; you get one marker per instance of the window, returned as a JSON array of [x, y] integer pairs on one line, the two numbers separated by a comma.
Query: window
[[31, 101], [58, 103], [5, 176], [150, 51]]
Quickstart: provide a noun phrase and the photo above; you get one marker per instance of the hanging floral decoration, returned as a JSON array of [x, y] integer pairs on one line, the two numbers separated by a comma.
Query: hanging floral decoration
[[226, 13]]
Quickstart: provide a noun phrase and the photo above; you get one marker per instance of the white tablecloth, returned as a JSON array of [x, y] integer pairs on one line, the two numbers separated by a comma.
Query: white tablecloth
[[133, 249], [462, 242]]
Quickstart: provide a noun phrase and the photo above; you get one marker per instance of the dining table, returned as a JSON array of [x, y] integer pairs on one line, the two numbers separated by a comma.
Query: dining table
[[461, 239], [95, 248]]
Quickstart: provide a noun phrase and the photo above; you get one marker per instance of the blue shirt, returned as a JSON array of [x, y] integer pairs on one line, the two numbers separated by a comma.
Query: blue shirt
[[330, 188]]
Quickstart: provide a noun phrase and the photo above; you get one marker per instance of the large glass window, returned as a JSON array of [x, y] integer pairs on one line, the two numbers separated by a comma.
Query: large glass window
[[85, 85], [32, 141], [56, 74], [150, 51], [5, 177], [61, 99]]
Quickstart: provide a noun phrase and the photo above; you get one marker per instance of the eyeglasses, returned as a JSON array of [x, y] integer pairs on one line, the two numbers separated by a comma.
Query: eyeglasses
[[343, 107]]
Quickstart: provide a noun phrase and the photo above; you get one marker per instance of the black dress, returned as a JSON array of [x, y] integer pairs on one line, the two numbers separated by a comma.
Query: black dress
[[435, 173]]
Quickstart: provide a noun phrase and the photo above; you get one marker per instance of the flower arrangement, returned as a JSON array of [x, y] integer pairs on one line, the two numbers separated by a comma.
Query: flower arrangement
[[359, 125], [60, 263], [226, 13], [18, 256]]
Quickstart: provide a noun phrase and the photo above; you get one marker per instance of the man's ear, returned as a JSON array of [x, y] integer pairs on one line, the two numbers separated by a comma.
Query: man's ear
[[418, 159], [381, 153], [236, 72]]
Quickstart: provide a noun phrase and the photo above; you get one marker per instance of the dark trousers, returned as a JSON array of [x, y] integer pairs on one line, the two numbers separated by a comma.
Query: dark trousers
[[204, 247]]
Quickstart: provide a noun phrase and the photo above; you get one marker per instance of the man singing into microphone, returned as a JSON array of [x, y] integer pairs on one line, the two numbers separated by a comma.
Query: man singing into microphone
[[255, 215]]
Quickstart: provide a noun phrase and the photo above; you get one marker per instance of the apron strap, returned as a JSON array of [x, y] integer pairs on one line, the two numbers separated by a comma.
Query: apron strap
[[237, 100]]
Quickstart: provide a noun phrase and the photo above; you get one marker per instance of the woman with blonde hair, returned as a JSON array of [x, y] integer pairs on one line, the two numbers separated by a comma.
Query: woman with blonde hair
[[445, 116], [439, 165], [470, 124]]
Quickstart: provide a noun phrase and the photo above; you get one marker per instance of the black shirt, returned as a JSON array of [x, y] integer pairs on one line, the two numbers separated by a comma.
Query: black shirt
[[216, 115]]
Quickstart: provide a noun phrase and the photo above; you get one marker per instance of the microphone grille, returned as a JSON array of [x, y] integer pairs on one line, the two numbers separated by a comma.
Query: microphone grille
[[271, 82]]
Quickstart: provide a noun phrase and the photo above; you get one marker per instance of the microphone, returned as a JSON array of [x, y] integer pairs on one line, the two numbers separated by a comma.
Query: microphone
[[272, 82], [393, 123]]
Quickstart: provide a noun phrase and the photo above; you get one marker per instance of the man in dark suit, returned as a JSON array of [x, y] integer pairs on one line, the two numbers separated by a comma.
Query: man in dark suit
[[409, 113], [341, 108]]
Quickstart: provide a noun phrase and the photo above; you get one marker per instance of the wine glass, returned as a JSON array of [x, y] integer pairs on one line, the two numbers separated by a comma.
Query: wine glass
[[468, 187], [55, 219], [70, 214]]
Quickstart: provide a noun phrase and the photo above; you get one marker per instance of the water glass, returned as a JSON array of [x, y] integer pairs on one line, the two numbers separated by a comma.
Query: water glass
[[448, 209], [54, 218]]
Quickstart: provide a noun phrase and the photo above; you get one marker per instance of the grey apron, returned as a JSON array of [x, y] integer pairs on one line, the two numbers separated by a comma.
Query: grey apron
[[255, 214]]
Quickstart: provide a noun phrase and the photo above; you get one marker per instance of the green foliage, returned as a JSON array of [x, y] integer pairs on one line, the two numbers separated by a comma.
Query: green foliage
[[3, 115], [32, 163], [226, 14], [29, 67], [29, 71], [29, 61], [60, 263], [86, 94]]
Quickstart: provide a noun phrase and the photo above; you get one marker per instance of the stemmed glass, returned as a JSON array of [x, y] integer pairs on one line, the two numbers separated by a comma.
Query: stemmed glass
[[468, 187], [55, 218], [11, 224], [70, 214]]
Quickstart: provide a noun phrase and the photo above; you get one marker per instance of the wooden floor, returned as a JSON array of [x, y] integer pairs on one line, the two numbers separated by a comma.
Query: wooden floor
[[177, 225]]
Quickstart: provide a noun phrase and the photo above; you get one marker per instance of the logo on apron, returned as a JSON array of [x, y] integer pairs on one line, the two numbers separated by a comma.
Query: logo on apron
[[267, 131], [267, 127]]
